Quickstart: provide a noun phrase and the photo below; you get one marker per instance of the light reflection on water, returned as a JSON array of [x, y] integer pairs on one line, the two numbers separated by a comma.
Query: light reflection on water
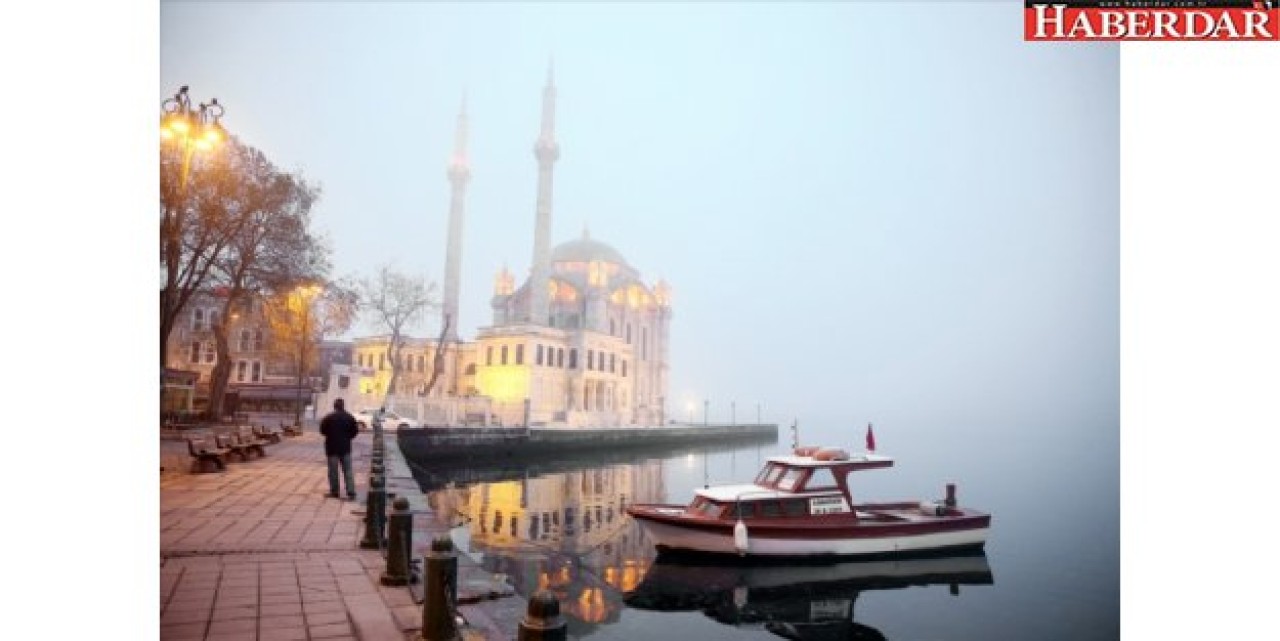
[[1054, 548]]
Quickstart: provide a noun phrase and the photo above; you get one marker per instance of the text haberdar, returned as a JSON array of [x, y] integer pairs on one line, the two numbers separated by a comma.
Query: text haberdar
[[1152, 20]]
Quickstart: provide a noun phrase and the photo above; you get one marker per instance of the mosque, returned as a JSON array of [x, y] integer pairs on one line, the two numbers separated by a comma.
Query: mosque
[[582, 341]]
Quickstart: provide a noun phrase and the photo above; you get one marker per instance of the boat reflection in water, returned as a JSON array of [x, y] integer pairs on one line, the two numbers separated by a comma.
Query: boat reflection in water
[[795, 601], [566, 532]]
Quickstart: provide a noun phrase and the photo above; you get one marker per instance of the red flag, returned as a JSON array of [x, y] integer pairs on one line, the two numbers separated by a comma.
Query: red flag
[[871, 439]]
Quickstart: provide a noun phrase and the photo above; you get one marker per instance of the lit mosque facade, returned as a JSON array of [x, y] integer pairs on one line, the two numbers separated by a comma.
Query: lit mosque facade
[[582, 341]]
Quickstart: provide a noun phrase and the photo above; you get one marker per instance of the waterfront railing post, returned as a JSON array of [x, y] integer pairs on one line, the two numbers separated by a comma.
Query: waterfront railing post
[[399, 545], [440, 604], [375, 514], [542, 620]]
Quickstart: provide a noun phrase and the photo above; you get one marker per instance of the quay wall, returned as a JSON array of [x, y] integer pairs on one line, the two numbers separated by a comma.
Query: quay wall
[[459, 444]]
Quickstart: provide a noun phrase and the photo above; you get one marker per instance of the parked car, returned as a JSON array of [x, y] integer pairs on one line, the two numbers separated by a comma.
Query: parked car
[[390, 420]]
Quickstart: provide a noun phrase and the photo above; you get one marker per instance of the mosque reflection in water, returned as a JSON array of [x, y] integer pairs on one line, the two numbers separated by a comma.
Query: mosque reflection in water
[[566, 532]]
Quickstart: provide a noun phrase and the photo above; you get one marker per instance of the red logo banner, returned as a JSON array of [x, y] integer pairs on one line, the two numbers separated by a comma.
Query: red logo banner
[[1225, 20]]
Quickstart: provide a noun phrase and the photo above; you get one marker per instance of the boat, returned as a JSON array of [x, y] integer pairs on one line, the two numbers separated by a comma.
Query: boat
[[801, 505], [800, 601]]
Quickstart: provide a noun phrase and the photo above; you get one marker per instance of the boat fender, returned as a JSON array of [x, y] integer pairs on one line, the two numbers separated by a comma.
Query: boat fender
[[806, 450], [740, 541], [932, 508]]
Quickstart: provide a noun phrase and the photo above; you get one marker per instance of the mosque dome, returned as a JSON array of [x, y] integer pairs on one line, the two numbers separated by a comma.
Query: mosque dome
[[586, 250]]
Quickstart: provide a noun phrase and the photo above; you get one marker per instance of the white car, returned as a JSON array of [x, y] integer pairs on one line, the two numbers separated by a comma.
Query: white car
[[390, 420]]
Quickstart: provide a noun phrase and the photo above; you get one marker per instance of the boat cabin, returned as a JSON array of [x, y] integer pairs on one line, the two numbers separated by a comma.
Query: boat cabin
[[801, 485]]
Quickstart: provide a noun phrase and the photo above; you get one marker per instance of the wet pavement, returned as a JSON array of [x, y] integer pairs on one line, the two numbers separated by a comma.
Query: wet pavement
[[258, 552]]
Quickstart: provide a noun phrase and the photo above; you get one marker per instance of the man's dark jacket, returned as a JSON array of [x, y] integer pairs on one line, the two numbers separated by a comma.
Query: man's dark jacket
[[338, 428]]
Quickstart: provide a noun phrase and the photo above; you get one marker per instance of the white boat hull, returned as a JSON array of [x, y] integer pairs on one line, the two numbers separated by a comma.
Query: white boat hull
[[674, 537]]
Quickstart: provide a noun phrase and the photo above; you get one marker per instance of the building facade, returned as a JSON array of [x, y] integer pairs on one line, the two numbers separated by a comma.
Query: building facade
[[264, 377]]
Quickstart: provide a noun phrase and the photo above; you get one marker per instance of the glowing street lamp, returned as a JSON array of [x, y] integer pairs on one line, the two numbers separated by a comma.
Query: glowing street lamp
[[187, 129], [306, 294], [191, 128]]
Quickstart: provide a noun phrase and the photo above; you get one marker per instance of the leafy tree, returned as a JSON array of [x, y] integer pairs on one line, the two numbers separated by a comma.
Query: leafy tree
[[269, 246], [299, 317]]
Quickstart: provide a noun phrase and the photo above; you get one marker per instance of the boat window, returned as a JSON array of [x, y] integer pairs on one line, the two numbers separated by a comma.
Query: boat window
[[774, 474], [709, 508], [770, 510], [764, 474], [788, 480], [795, 508], [821, 479]]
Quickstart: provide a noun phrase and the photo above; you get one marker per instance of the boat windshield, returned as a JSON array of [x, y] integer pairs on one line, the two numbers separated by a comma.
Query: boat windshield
[[762, 477], [789, 479]]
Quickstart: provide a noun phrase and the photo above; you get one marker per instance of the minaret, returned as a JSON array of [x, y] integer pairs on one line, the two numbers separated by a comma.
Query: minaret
[[459, 173], [547, 152]]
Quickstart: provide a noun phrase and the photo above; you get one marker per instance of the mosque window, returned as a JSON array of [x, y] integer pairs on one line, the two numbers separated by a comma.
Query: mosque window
[[591, 360], [488, 355], [471, 369], [628, 333], [382, 361], [559, 357], [504, 354], [537, 355], [611, 370], [624, 369], [520, 354], [573, 358]]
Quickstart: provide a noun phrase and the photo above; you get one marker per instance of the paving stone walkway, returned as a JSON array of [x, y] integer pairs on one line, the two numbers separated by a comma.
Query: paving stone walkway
[[258, 553]]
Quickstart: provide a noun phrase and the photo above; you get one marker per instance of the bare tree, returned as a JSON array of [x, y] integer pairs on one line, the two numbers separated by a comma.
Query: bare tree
[[397, 302], [437, 362]]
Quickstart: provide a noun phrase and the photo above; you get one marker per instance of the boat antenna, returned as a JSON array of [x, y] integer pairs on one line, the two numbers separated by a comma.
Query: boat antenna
[[795, 434]]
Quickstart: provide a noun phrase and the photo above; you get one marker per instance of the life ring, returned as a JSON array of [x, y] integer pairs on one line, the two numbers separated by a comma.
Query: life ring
[[831, 454]]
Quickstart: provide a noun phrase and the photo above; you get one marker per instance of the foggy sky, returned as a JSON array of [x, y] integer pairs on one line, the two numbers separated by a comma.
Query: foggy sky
[[863, 210]]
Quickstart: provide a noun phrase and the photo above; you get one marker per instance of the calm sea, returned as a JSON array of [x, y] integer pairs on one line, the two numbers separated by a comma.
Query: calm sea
[[1050, 569]]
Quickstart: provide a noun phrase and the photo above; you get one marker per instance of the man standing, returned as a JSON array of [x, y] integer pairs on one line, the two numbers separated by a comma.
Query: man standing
[[339, 429]]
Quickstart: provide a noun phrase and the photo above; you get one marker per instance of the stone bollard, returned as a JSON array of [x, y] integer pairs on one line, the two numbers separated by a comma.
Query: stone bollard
[[399, 545], [375, 514], [542, 620], [440, 605]]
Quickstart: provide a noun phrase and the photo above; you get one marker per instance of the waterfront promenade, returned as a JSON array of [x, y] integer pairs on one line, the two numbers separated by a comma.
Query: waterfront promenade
[[259, 553]]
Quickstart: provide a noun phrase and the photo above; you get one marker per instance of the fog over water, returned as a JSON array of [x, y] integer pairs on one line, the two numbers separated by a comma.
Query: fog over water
[[896, 212]]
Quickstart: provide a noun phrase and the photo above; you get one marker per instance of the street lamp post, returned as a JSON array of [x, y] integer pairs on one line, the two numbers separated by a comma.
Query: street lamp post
[[194, 128], [305, 295], [189, 129]]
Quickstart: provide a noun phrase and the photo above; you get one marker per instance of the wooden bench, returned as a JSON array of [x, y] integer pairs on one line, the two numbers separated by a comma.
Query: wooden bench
[[291, 430], [269, 434], [248, 437], [202, 450], [232, 443]]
